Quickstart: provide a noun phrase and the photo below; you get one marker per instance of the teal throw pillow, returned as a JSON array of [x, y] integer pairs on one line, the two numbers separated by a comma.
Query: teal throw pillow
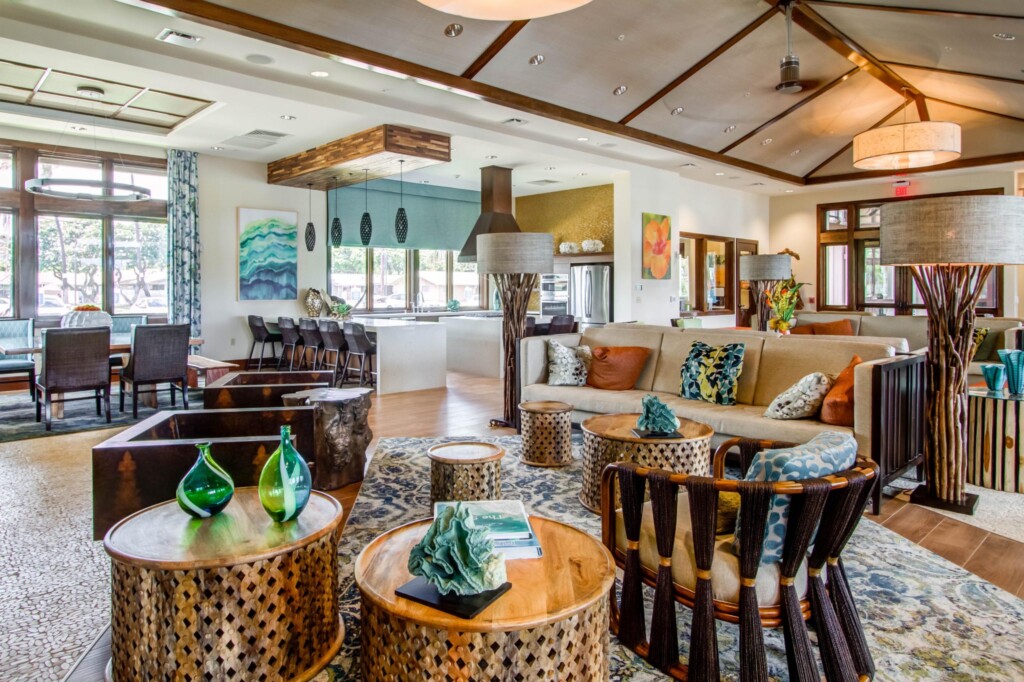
[[827, 453], [710, 373]]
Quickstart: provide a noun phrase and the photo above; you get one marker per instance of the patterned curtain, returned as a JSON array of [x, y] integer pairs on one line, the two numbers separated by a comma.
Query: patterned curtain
[[183, 223]]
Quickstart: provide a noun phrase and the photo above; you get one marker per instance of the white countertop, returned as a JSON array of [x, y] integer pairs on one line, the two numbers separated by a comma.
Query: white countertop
[[379, 322]]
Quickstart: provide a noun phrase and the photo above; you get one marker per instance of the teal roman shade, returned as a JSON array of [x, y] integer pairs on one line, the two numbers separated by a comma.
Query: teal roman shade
[[439, 217]]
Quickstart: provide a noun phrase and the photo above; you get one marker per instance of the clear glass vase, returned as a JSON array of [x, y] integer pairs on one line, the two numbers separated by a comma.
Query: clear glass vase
[[206, 489], [285, 482]]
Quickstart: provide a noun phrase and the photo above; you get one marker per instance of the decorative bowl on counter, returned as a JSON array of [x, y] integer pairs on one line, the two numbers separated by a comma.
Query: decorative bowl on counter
[[568, 247], [593, 245], [86, 318]]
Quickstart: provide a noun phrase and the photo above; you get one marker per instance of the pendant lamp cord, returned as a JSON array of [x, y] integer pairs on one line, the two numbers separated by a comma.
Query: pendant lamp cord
[[366, 180], [401, 181]]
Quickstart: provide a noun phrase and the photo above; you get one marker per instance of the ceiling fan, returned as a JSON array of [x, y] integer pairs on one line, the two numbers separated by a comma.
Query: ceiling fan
[[789, 67]]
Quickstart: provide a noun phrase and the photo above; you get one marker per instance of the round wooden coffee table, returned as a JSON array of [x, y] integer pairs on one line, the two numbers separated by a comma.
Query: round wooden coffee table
[[609, 438], [467, 470], [551, 625], [547, 433], [235, 596]]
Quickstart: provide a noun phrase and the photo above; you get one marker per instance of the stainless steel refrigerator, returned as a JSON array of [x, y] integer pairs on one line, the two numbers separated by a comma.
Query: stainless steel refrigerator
[[590, 294]]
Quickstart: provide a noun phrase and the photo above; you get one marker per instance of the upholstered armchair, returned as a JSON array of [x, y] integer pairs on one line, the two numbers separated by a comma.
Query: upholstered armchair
[[17, 368], [159, 355], [74, 360]]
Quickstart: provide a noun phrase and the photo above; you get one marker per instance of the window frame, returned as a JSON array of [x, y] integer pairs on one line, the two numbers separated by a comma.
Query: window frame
[[700, 283]]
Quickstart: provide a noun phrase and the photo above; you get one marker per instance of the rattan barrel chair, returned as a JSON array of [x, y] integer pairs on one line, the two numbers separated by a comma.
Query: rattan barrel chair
[[807, 585], [291, 341]]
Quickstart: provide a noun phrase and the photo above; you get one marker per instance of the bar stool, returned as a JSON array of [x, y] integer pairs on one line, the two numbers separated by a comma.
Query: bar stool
[[360, 346], [261, 335], [334, 342], [290, 339], [309, 330]]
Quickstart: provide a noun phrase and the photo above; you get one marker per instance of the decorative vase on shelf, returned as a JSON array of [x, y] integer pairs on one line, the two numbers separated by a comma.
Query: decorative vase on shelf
[[285, 482], [568, 248], [206, 489], [592, 245], [1014, 361], [995, 376]]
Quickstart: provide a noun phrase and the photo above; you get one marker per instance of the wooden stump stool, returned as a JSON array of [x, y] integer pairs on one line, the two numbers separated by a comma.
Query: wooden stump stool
[[465, 471], [547, 433], [341, 433]]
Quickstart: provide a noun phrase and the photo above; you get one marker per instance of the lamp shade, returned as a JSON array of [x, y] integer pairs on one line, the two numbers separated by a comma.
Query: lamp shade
[[962, 230], [515, 253], [759, 267], [504, 10], [907, 145]]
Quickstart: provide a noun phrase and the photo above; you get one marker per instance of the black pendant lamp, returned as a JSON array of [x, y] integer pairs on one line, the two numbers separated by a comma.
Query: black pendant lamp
[[365, 224], [310, 230], [336, 223], [401, 219]]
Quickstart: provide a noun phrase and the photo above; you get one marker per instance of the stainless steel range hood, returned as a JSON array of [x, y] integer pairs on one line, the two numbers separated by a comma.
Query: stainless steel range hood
[[495, 209]]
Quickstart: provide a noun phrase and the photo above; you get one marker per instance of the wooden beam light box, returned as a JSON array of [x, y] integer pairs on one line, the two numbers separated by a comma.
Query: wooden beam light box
[[377, 150]]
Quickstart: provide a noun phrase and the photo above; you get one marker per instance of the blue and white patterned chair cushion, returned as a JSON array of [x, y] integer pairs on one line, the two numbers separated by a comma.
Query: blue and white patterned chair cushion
[[827, 453]]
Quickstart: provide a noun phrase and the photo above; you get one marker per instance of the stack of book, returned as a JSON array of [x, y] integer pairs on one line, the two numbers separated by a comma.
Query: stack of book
[[506, 524]]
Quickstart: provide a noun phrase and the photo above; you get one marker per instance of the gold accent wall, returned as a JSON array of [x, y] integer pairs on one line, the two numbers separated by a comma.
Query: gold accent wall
[[571, 215]]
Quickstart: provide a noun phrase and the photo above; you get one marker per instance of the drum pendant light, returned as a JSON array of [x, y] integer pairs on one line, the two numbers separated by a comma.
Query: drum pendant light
[[365, 224], [336, 223], [310, 230], [401, 219]]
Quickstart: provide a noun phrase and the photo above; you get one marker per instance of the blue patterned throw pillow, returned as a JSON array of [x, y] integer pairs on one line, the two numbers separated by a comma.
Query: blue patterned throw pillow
[[710, 373], [827, 453]]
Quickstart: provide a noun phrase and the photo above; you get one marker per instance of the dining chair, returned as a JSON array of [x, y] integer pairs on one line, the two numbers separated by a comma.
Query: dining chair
[[261, 335], [13, 367], [561, 324], [290, 340], [359, 346], [122, 324], [309, 330], [159, 355], [334, 343], [73, 360]]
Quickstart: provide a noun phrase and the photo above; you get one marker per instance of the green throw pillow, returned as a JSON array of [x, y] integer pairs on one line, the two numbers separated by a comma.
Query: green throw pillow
[[710, 373], [978, 339]]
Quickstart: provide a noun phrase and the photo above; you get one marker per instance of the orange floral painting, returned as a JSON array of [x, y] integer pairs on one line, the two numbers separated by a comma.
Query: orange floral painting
[[657, 250]]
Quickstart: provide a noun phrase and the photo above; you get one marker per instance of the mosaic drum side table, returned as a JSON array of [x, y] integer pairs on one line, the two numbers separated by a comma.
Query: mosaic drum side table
[[995, 456], [551, 625], [609, 438], [467, 470], [233, 597], [547, 433]]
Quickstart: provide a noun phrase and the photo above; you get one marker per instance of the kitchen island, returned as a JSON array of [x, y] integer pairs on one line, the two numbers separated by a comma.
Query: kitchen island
[[411, 355], [474, 345]]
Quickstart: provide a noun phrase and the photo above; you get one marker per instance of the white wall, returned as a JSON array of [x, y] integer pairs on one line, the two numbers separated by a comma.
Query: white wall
[[793, 221], [693, 207], [224, 186]]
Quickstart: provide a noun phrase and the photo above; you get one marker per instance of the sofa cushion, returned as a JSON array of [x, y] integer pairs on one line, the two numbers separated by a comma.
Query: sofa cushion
[[710, 373], [624, 336], [786, 360], [838, 405], [748, 421], [808, 317], [803, 330], [587, 398], [996, 338], [676, 347], [801, 400], [568, 366], [910, 327], [616, 368], [838, 328]]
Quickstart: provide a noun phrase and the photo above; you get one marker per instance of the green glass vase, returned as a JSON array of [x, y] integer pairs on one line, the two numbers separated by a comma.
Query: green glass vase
[[285, 482], [206, 489]]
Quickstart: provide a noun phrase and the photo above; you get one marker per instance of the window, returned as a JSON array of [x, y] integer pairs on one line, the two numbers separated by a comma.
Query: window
[[431, 279], [348, 275], [465, 283], [6, 264], [70, 265], [140, 266], [835, 273], [707, 274], [389, 279], [6, 169], [68, 168], [836, 220], [152, 179], [879, 281]]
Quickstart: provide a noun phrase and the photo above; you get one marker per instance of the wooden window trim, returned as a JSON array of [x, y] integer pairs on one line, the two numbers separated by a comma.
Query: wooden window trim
[[731, 272]]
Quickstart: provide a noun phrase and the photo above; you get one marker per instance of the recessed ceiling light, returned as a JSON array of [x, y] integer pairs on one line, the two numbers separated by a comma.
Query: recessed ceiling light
[[536, 60], [217, 149], [607, 145], [947, 48], [319, 74], [719, 173], [846, 76], [580, 175], [425, 182], [688, 165], [457, 176], [260, 59], [794, 152], [766, 141], [79, 129], [1004, 36], [178, 38], [622, 36], [514, 122], [757, 184], [676, 111], [453, 30], [790, 191], [287, 117], [621, 90], [90, 91], [729, 129], [746, 94], [491, 156], [549, 168], [582, 139]]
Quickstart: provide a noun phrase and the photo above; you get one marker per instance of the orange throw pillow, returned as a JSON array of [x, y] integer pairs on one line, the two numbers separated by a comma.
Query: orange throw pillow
[[837, 328], [616, 368], [838, 406], [804, 329]]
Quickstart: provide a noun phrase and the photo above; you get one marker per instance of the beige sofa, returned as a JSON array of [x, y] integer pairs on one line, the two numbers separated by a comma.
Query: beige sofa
[[899, 344], [770, 366]]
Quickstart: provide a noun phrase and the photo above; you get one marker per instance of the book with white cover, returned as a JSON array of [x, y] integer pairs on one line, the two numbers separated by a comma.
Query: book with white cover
[[502, 519]]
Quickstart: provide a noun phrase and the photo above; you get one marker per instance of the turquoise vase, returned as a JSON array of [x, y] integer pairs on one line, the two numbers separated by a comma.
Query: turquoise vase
[[285, 482], [1014, 361], [995, 376], [206, 489]]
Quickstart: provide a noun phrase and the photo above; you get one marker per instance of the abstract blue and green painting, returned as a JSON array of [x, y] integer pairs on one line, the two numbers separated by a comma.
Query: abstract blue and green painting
[[267, 255]]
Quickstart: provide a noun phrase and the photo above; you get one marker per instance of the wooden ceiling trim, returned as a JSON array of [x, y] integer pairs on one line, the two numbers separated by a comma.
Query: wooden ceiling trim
[[846, 147], [922, 108], [951, 72], [690, 72], [817, 93], [977, 109], [494, 48], [228, 19], [1011, 157], [909, 10]]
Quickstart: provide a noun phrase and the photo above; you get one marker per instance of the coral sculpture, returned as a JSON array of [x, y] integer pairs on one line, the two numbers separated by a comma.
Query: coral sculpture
[[456, 556], [656, 416]]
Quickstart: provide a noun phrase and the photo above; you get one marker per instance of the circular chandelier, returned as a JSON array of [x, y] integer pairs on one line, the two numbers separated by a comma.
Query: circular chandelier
[[90, 190], [504, 10], [907, 145]]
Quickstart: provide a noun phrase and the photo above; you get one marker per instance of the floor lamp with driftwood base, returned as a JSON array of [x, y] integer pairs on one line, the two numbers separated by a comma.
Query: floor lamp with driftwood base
[[951, 245], [514, 260], [761, 272]]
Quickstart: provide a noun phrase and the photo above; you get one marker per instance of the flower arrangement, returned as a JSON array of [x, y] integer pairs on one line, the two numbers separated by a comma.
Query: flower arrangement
[[86, 307], [341, 309], [782, 299]]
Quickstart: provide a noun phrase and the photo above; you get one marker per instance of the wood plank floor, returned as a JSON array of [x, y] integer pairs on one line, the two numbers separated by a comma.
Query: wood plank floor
[[466, 407]]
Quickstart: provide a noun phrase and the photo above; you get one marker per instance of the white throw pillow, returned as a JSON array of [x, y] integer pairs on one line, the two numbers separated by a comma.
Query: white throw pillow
[[568, 366], [801, 400]]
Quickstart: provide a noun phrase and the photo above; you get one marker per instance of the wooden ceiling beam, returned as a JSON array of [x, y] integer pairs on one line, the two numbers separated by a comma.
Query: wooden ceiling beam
[[977, 109], [1011, 157], [910, 10], [775, 119], [494, 48], [690, 72], [951, 72], [922, 108], [846, 147], [238, 22]]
